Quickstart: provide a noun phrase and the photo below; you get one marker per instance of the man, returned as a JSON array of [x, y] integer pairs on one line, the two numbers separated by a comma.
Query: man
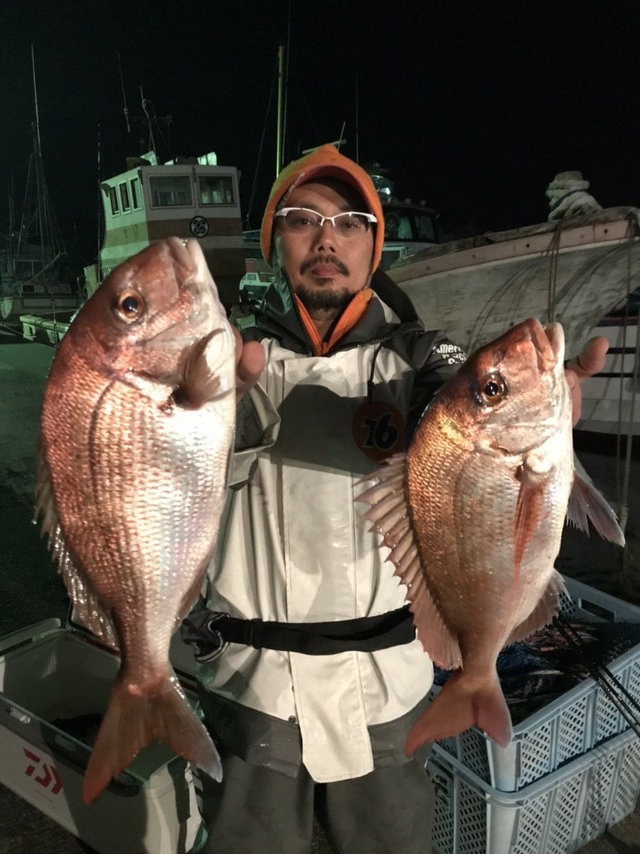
[[307, 720]]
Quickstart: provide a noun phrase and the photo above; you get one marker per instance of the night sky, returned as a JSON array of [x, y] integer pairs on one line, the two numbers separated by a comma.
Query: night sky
[[473, 106]]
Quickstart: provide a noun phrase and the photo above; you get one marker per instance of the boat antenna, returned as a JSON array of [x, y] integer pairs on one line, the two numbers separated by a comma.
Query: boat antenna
[[153, 120], [147, 109], [124, 97]]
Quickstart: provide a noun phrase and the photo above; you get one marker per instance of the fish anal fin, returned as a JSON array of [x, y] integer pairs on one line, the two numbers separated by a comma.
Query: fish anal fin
[[390, 518], [133, 720], [544, 611], [588, 504], [463, 703], [433, 633]]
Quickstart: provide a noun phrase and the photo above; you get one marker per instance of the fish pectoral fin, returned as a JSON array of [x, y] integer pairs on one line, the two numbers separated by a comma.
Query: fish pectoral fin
[[544, 611], [588, 504], [390, 517], [200, 383], [529, 509], [86, 605]]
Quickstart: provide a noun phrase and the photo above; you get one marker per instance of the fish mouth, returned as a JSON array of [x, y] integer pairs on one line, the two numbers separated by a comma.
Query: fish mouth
[[201, 306], [555, 336], [548, 342]]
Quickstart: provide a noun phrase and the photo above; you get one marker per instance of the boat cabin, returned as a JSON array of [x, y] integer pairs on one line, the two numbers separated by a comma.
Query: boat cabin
[[186, 197], [408, 227]]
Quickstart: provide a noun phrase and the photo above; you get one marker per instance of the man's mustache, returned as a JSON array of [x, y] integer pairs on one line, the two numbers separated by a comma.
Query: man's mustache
[[324, 259]]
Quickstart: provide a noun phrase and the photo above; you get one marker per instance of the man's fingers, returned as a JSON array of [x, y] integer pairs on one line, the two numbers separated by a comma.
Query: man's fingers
[[589, 362], [250, 361], [591, 359]]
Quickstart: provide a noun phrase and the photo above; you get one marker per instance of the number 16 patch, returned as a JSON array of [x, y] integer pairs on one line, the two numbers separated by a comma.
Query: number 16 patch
[[378, 430]]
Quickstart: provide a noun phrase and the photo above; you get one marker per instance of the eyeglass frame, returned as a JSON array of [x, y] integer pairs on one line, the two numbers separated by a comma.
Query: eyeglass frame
[[370, 218]]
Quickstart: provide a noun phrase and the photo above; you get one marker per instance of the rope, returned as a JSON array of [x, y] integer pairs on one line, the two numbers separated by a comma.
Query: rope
[[553, 252], [633, 231]]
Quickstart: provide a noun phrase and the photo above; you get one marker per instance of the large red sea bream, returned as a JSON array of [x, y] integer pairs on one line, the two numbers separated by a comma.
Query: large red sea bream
[[137, 423], [473, 517]]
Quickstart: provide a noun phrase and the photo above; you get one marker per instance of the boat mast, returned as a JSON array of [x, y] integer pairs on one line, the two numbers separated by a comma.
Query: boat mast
[[38, 160], [280, 112], [283, 81], [41, 217]]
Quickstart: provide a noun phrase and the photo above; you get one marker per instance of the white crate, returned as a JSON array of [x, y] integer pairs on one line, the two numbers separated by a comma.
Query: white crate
[[564, 729], [49, 672], [557, 814]]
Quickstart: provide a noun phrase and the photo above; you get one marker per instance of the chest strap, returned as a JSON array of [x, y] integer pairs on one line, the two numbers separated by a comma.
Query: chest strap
[[210, 631]]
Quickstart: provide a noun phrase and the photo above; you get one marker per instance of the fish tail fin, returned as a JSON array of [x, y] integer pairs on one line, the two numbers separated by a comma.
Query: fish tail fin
[[132, 720], [460, 705]]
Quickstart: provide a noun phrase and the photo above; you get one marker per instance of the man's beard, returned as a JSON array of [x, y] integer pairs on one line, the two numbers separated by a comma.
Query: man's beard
[[324, 299]]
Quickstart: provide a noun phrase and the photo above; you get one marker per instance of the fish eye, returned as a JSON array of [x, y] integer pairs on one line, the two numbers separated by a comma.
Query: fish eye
[[492, 390], [129, 306]]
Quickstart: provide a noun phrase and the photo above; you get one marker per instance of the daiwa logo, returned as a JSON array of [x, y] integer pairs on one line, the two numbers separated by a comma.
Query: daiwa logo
[[48, 778]]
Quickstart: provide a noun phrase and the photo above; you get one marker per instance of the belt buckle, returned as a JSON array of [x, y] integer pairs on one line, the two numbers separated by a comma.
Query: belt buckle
[[221, 644]]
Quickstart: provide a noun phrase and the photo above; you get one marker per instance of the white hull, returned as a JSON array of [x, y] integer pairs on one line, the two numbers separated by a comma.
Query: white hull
[[575, 273]]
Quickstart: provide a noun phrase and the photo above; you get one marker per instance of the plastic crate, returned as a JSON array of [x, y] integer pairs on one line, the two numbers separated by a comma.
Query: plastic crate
[[555, 815], [564, 729]]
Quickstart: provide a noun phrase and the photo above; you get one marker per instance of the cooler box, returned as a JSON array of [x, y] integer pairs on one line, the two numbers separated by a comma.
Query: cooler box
[[54, 686]]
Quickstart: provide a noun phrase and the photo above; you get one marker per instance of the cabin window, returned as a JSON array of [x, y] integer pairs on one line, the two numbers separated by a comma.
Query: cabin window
[[408, 225], [424, 228], [133, 183], [216, 190], [113, 198], [124, 197], [170, 191]]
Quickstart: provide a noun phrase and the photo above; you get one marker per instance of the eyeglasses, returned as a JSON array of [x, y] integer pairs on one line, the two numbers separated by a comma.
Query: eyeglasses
[[305, 221]]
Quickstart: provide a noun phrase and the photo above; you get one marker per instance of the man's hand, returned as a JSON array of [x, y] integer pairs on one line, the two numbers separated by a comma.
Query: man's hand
[[250, 363], [589, 362]]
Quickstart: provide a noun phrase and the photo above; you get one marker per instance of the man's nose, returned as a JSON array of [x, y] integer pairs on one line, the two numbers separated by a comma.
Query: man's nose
[[325, 235]]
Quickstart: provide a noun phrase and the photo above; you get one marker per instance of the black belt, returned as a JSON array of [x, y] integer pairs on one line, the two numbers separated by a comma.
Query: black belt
[[209, 632]]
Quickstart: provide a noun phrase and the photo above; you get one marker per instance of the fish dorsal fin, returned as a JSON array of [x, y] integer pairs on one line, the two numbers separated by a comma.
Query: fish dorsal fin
[[390, 518], [588, 504], [87, 608], [544, 612]]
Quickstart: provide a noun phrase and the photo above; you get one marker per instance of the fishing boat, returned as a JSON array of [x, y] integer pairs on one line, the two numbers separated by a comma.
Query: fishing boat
[[573, 271], [579, 268], [34, 277], [184, 197]]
